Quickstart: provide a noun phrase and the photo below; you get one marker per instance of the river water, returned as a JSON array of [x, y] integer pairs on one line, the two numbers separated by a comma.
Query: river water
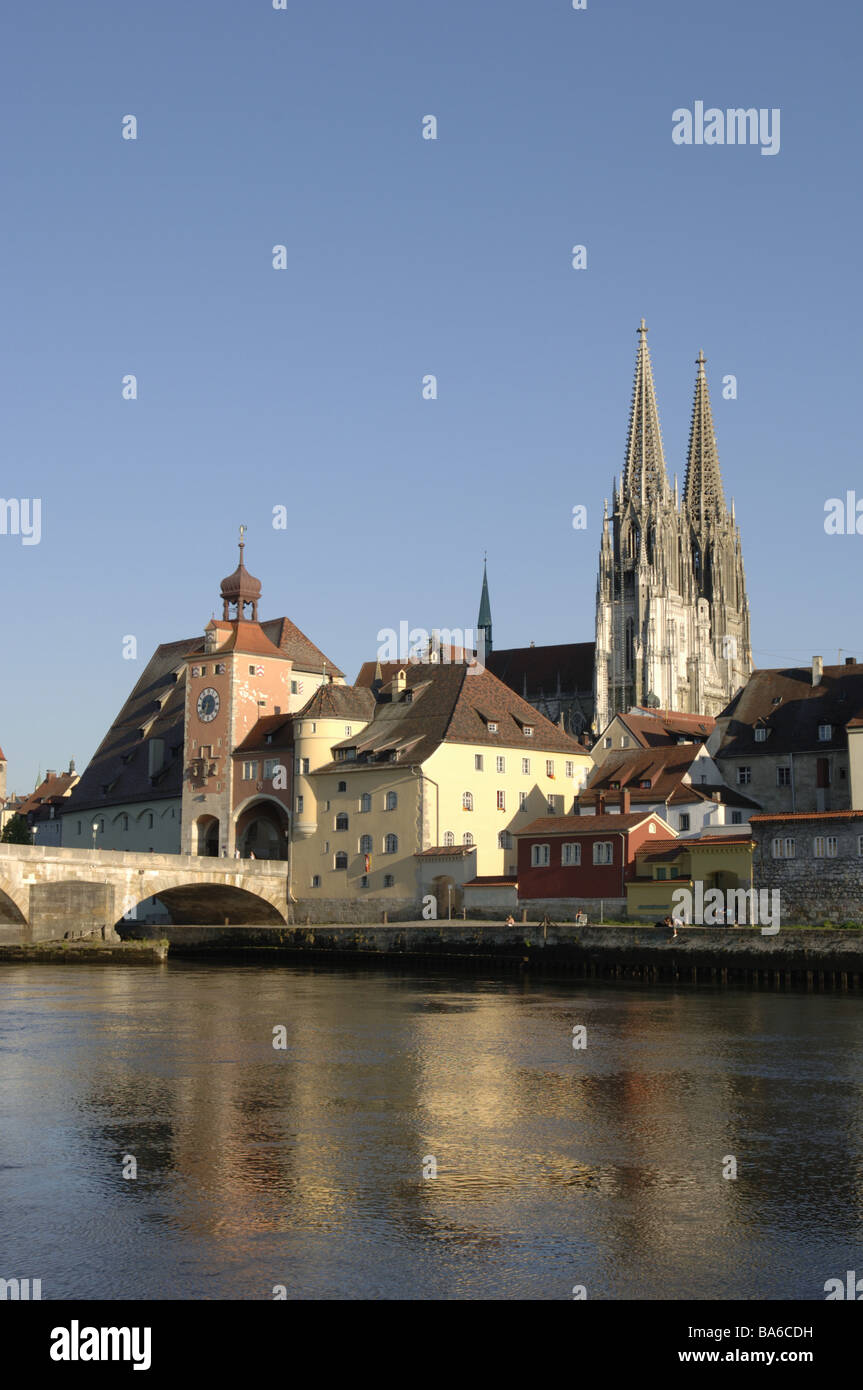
[[309, 1166]]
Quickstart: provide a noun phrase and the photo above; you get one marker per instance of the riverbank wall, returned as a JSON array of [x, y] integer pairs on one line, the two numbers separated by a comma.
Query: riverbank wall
[[810, 958]]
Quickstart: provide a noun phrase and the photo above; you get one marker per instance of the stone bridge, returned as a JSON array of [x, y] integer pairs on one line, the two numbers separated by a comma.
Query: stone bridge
[[47, 893]]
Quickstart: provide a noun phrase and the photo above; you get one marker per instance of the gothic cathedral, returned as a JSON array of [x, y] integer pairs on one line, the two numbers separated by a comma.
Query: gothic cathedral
[[672, 617]]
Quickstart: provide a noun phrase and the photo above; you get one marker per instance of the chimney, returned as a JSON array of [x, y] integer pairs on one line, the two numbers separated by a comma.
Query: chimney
[[716, 796], [600, 805], [625, 801], [850, 661], [817, 670]]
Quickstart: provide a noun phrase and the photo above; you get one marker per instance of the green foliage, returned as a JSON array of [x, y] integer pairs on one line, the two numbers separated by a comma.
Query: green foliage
[[16, 832]]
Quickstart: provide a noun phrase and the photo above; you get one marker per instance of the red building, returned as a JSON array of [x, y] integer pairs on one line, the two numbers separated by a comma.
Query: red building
[[584, 856]]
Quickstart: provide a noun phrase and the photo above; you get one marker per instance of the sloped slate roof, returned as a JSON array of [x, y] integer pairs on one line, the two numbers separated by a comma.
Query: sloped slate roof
[[790, 707], [540, 669], [333, 701]]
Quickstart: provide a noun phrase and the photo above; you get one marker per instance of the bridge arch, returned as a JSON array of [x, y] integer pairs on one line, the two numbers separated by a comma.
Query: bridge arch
[[208, 902], [14, 903]]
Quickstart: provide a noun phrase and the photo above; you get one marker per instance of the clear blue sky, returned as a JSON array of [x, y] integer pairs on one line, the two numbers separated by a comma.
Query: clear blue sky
[[303, 387]]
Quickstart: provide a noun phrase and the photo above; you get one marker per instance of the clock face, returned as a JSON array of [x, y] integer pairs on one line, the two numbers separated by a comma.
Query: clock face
[[208, 705]]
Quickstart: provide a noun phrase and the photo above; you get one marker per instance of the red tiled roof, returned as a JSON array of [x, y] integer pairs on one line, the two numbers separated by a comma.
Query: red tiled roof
[[444, 851], [659, 729], [50, 788], [583, 825], [280, 727], [491, 881]]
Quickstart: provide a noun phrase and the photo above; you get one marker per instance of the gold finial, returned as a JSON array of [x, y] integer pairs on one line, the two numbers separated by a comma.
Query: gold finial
[[243, 530]]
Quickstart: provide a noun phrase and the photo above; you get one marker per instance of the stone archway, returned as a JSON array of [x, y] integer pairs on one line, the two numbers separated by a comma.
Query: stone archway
[[262, 829], [207, 837], [440, 887]]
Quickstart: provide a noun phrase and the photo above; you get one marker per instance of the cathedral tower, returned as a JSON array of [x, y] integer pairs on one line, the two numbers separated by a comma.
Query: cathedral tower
[[672, 619]]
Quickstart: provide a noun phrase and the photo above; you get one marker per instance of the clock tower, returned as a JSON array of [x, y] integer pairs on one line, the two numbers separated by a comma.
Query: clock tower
[[237, 678]]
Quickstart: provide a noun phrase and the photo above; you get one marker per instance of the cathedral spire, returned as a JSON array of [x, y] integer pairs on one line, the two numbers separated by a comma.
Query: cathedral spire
[[702, 491], [644, 473], [483, 622]]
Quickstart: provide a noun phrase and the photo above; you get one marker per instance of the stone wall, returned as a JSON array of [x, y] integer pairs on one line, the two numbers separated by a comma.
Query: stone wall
[[812, 890], [565, 909], [354, 910]]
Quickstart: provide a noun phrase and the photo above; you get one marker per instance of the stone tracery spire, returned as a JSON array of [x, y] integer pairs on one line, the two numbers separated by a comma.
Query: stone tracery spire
[[702, 491], [644, 474]]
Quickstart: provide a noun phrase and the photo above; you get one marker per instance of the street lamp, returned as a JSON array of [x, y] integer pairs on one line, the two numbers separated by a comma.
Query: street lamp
[[95, 829], [289, 837]]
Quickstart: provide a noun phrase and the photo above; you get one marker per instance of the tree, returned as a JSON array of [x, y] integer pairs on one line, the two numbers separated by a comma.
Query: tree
[[16, 832]]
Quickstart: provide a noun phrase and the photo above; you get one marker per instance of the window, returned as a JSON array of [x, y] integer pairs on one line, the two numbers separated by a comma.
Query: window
[[783, 848], [824, 847], [304, 766], [391, 801], [316, 880], [299, 805], [79, 828], [783, 776], [528, 731], [624, 741], [549, 768], [365, 844], [744, 776], [366, 801], [736, 817], [645, 783], [540, 856], [525, 767], [552, 804], [341, 859], [343, 786], [149, 820], [684, 820], [603, 852], [203, 670], [569, 769], [342, 820], [325, 848], [504, 840], [500, 764], [449, 838], [492, 728], [348, 730], [606, 743], [467, 839], [294, 687], [270, 768], [250, 772], [477, 762], [825, 732], [391, 844], [251, 670], [571, 854], [124, 821], [760, 735], [388, 880], [364, 881], [501, 801], [522, 801], [859, 843], [467, 801]]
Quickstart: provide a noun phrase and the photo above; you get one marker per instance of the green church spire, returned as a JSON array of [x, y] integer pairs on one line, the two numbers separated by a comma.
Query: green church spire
[[483, 622]]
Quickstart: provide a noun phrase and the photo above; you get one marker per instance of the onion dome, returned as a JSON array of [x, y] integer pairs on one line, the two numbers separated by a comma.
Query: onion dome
[[241, 589]]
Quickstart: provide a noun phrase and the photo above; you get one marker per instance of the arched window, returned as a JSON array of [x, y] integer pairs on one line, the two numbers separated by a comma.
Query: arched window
[[149, 820], [342, 820], [365, 844], [391, 844], [341, 860], [366, 801], [392, 801], [467, 838], [467, 801], [449, 838], [343, 786]]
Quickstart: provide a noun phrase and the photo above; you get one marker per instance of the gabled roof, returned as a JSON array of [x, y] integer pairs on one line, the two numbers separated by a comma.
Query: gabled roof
[[665, 768], [52, 788], [240, 636], [118, 770], [791, 708], [448, 703], [586, 825], [270, 731], [302, 651], [660, 729]]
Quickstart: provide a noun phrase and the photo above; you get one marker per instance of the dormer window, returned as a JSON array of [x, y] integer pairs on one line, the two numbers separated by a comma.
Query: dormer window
[[645, 782], [528, 731], [825, 732], [761, 735], [492, 727]]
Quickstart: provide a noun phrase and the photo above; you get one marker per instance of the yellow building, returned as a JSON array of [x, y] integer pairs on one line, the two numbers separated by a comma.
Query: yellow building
[[720, 861], [415, 779]]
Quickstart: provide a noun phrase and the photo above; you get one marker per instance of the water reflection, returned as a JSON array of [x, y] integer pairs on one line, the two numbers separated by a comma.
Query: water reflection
[[304, 1165]]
